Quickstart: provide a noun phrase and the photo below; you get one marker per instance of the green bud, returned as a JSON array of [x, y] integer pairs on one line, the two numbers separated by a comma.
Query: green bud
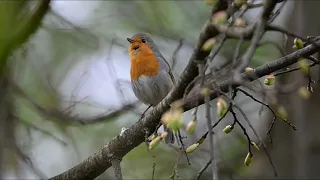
[[205, 91], [239, 3], [309, 88], [222, 107], [192, 148], [208, 45], [166, 117], [255, 145], [298, 44], [220, 17], [228, 129], [173, 118], [304, 66], [282, 113], [177, 104], [269, 80], [175, 124], [273, 100], [202, 140], [304, 93], [248, 69], [154, 143], [294, 47], [248, 159], [244, 7], [191, 127], [154, 136]]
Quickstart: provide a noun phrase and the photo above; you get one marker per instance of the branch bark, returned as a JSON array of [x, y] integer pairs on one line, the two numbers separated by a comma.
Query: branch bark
[[258, 72], [135, 135], [120, 145], [117, 168]]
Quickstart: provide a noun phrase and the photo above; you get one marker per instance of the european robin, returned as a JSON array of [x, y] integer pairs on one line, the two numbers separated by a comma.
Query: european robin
[[151, 76]]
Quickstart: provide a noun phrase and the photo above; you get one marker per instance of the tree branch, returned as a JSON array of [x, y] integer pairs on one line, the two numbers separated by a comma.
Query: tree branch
[[132, 137], [120, 145], [65, 117], [117, 168], [190, 102]]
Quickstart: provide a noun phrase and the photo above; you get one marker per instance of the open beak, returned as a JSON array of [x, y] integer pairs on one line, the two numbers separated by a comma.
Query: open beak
[[130, 40]]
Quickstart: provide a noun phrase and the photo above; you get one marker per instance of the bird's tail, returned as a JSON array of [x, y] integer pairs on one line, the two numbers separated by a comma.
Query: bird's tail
[[170, 136]]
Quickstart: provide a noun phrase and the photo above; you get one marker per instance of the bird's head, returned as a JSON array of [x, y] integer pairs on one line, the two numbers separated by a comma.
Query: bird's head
[[141, 43]]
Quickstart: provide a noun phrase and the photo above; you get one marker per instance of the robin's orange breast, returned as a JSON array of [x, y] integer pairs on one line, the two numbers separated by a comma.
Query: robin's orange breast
[[143, 62]]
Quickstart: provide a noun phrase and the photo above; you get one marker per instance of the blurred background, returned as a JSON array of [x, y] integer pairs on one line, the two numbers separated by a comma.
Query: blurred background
[[76, 65]]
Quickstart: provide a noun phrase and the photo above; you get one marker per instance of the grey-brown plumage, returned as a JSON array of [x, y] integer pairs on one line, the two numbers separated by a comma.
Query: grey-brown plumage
[[152, 89]]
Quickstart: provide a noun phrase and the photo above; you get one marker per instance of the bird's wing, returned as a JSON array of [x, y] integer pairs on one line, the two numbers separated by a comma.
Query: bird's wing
[[164, 64], [172, 77]]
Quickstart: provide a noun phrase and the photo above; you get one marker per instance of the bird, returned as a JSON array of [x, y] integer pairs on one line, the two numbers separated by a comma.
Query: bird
[[151, 75]]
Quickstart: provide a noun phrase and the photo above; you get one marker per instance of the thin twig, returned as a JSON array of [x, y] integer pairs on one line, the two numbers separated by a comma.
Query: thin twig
[[27, 160], [65, 118], [175, 171], [204, 136], [266, 105], [153, 168], [313, 59], [174, 55], [235, 58], [291, 70], [183, 147], [117, 168], [274, 15], [245, 60], [30, 125], [113, 73], [287, 32], [149, 151], [203, 169], [275, 173], [242, 128], [260, 139], [98, 163], [211, 140], [215, 51]]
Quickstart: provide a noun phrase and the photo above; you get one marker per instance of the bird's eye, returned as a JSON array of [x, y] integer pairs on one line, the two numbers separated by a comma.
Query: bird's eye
[[143, 40]]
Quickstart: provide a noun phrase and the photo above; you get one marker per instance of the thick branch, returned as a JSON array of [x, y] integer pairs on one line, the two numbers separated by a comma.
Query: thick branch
[[119, 146], [268, 7], [191, 102], [135, 135], [132, 137]]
